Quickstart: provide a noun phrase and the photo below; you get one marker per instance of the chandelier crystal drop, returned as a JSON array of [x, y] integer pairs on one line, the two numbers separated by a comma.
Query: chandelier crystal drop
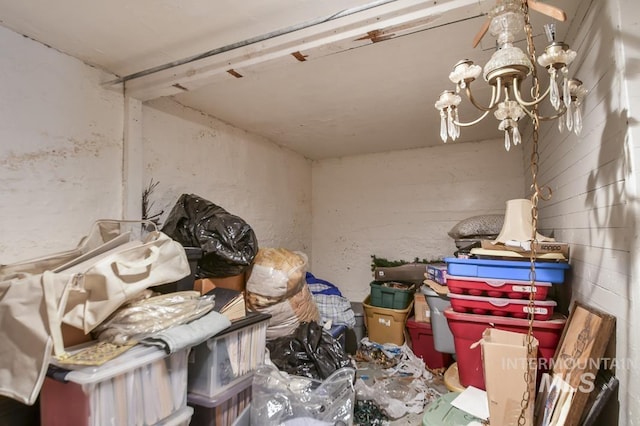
[[506, 72]]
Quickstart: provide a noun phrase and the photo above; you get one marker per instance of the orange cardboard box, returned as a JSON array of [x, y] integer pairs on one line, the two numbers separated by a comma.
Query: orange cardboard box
[[236, 282]]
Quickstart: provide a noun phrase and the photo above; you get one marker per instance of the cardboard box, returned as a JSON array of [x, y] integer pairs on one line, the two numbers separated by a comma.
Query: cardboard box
[[72, 336], [505, 360], [421, 308], [437, 272], [236, 282], [409, 272]]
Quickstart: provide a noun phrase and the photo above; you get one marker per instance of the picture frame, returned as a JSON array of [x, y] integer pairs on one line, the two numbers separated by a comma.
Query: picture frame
[[579, 353]]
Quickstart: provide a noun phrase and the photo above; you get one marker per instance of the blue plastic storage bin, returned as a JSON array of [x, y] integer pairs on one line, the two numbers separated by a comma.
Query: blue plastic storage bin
[[506, 269]]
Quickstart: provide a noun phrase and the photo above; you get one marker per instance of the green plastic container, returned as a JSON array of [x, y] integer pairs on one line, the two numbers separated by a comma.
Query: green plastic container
[[387, 295], [441, 413]]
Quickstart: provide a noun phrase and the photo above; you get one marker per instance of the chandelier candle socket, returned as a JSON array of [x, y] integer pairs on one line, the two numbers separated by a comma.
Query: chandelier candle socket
[[505, 72]]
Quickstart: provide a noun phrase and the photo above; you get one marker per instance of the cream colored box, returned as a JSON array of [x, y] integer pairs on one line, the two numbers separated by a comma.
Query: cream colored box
[[505, 359]]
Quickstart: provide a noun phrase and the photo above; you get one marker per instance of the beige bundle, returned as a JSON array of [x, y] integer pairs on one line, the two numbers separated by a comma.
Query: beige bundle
[[277, 286], [152, 313], [276, 274]]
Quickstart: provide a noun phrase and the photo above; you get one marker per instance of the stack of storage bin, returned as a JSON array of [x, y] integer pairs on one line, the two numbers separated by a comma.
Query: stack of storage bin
[[386, 310], [495, 293], [221, 370], [144, 386]]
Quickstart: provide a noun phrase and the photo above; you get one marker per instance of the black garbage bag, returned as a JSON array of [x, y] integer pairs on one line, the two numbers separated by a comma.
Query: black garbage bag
[[310, 352], [228, 243]]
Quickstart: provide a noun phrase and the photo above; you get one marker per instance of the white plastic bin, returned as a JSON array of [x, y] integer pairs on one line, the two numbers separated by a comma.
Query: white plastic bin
[[225, 408], [141, 387], [227, 358], [442, 336], [181, 418]]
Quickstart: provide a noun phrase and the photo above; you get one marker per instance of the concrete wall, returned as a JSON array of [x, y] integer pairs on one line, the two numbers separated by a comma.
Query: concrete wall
[[594, 182], [266, 185], [62, 156], [60, 149], [400, 205]]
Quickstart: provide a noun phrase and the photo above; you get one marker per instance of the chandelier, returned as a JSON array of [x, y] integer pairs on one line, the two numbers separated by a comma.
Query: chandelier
[[506, 72]]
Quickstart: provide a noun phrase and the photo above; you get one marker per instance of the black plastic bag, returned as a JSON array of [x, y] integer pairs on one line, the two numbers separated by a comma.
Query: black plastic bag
[[310, 352], [228, 243]]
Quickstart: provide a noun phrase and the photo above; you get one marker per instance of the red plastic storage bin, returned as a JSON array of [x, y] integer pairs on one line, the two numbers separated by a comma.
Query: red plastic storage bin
[[514, 308], [513, 289], [467, 329], [422, 345]]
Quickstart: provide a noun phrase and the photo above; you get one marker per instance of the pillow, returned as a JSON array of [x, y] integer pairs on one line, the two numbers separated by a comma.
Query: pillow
[[486, 224]]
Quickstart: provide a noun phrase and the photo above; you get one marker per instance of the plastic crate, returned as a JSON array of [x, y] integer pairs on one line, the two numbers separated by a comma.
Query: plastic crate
[[225, 408], [514, 308], [143, 386], [422, 345], [385, 325], [513, 289], [468, 328], [552, 272], [392, 295], [181, 418], [227, 358], [443, 338]]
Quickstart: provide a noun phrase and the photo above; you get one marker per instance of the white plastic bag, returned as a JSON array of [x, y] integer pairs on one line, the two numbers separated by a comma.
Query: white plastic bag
[[279, 398]]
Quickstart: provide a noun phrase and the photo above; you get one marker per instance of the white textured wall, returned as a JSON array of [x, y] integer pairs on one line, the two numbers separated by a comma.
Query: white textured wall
[[60, 149], [266, 185], [400, 205], [61, 158], [594, 182]]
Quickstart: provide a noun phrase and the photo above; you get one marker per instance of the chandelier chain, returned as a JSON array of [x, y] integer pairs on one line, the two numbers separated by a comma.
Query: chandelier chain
[[537, 193]]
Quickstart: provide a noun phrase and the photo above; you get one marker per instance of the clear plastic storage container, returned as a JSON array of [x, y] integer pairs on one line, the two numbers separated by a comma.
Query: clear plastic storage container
[[228, 357], [141, 387]]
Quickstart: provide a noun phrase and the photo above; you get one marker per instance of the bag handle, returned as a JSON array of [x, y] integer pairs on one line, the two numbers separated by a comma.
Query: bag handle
[[55, 310], [140, 221], [136, 267]]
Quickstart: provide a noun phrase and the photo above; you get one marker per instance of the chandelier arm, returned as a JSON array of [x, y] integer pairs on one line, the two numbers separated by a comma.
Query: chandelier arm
[[553, 117], [516, 92], [476, 121], [493, 101], [529, 113]]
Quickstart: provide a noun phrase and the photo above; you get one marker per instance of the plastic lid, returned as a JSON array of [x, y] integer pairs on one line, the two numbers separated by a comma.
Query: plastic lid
[[500, 301], [135, 357], [495, 282], [203, 401], [557, 321], [441, 413], [428, 291], [509, 263]]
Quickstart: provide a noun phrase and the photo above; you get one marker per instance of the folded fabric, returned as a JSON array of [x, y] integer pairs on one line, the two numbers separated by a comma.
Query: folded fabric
[[190, 334], [332, 305], [319, 286]]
